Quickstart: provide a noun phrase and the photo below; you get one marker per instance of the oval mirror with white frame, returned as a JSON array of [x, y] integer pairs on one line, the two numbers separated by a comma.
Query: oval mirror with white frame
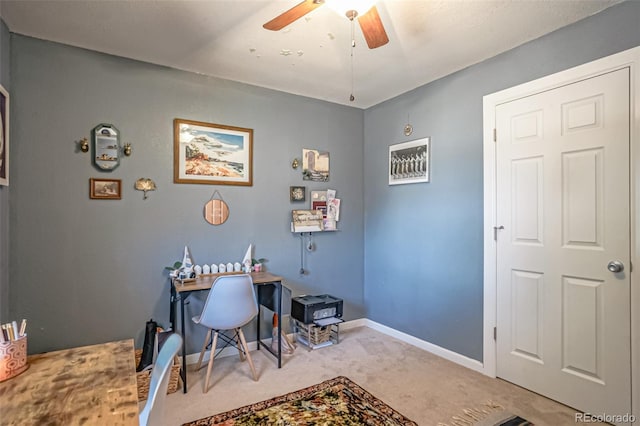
[[216, 212]]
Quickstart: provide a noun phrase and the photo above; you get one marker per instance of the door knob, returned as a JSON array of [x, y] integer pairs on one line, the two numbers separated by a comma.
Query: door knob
[[615, 266]]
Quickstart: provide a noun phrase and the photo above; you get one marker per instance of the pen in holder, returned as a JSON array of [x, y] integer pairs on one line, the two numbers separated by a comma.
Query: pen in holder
[[13, 357]]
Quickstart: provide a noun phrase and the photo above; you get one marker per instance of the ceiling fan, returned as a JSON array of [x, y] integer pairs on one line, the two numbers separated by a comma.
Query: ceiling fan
[[368, 18]]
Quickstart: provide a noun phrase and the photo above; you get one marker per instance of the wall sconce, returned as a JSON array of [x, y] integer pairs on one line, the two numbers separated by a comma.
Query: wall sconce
[[127, 149], [295, 163], [145, 184], [83, 144]]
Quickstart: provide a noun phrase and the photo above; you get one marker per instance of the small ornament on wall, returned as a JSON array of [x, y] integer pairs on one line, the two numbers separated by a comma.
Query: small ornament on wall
[[408, 129], [145, 184]]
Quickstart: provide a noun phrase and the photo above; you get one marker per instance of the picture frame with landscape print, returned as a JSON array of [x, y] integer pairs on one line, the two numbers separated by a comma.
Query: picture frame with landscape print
[[105, 189], [4, 137], [409, 162], [213, 154]]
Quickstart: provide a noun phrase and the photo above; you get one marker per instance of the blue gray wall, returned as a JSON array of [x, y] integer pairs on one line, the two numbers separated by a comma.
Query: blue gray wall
[[5, 80], [423, 242], [86, 271], [410, 256]]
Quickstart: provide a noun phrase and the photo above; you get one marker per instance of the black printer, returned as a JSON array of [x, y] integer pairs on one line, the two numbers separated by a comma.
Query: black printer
[[308, 309]]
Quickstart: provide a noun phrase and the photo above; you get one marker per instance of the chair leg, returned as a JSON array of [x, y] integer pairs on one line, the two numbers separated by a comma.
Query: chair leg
[[211, 357], [246, 351], [240, 347], [204, 348]]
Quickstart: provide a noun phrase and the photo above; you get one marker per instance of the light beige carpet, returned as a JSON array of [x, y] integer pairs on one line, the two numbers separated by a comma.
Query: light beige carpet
[[425, 388]]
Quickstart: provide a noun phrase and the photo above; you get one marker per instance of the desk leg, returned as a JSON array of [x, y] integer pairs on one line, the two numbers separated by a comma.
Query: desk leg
[[184, 346], [172, 306], [279, 309], [276, 310], [258, 324]]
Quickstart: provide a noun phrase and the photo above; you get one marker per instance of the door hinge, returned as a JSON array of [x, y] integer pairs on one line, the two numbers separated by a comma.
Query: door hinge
[[495, 135], [495, 333]]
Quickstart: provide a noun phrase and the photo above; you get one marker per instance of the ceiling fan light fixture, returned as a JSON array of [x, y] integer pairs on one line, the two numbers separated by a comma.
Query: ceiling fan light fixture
[[346, 7]]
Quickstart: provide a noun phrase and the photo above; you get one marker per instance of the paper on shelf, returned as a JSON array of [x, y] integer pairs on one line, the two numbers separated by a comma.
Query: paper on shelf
[[328, 321]]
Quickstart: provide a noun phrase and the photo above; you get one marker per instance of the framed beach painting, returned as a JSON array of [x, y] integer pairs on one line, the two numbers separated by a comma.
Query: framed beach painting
[[4, 137], [212, 154], [409, 162]]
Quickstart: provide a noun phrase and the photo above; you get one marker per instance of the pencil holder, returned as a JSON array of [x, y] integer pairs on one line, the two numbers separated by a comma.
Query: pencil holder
[[13, 358]]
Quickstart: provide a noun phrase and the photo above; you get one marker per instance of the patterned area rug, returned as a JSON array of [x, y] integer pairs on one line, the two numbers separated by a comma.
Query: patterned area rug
[[489, 414], [338, 402]]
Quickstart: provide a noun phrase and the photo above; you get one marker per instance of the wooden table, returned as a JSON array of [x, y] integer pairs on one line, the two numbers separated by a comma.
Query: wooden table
[[269, 295], [90, 385]]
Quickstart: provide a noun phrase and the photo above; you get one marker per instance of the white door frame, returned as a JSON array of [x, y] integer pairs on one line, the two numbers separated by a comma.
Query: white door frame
[[631, 59]]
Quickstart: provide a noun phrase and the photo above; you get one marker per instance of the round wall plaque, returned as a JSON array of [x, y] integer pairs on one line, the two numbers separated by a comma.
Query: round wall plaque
[[216, 212]]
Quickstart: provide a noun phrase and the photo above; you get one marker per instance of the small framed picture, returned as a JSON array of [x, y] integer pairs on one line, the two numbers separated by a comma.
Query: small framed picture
[[297, 193], [409, 162], [105, 189]]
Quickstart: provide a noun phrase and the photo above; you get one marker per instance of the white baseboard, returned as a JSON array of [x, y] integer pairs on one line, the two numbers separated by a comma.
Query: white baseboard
[[429, 347], [364, 322]]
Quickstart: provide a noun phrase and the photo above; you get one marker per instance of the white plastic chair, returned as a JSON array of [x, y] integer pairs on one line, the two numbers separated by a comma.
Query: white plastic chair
[[230, 305], [152, 413]]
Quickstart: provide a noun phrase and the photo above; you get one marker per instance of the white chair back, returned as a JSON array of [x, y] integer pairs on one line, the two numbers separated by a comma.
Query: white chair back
[[231, 303], [153, 411]]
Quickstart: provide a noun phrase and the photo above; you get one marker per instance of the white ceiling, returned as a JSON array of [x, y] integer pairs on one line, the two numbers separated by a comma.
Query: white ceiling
[[428, 39]]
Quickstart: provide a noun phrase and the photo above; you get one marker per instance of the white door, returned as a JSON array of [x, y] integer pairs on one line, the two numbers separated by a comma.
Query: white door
[[563, 326]]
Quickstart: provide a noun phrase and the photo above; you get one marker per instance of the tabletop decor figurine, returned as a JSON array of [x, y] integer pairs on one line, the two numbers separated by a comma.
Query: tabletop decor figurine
[[246, 261], [187, 263]]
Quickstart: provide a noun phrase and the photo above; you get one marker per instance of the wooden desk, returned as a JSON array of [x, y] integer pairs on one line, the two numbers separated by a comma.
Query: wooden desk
[[90, 385], [269, 296]]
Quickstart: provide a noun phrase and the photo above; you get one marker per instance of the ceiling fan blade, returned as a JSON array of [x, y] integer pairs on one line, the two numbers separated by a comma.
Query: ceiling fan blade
[[296, 12], [372, 28]]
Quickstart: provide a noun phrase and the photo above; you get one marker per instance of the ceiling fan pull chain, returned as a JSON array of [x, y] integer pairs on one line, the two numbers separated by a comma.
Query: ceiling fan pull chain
[[353, 45]]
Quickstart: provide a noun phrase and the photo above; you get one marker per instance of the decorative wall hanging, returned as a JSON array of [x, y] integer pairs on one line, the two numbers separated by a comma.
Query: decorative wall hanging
[[106, 147], [315, 165], [216, 211], [297, 193], [4, 137], [105, 189], [83, 145], [212, 153], [408, 128], [409, 162], [145, 184]]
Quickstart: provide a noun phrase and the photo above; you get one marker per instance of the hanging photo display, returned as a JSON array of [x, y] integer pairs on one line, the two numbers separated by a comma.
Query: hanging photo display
[[315, 165]]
